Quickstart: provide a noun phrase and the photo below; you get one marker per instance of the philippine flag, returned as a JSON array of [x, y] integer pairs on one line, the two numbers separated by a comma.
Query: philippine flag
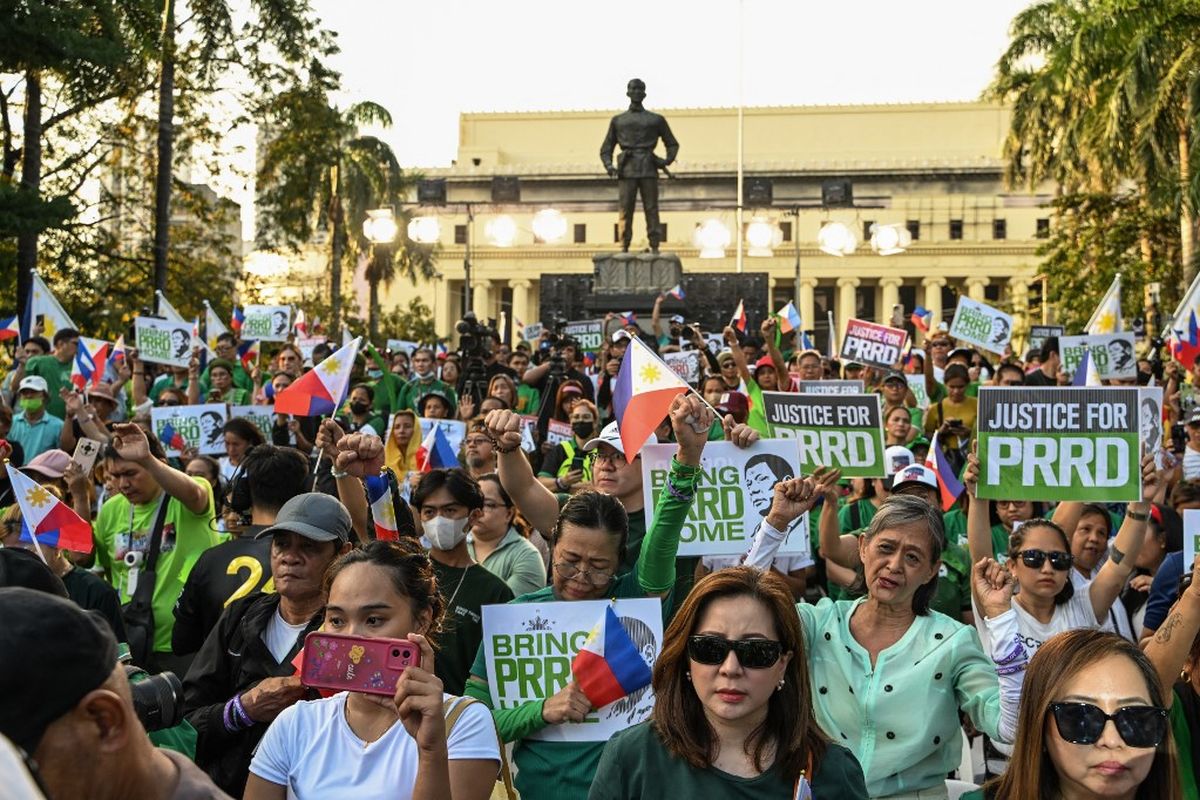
[[789, 318], [248, 354], [91, 359], [628, 318], [235, 322], [738, 320], [609, 665], [949, 486], [642, 395], [1086, 373], [320, 390], [172, 438], [300, 326], [383, 513], [435, 451], [677, 292], [10, 328], [920, 318], [1186, 347], [118, 350], [47, 517]]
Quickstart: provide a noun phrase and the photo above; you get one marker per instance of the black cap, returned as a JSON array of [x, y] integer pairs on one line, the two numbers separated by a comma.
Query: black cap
[[20, 567], [895, 376], [314, 515], [52, 652]]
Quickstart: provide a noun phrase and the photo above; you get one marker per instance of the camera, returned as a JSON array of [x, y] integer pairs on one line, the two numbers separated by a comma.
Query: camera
[[157, 699], [556, 338], [474, 338], [134, 558]]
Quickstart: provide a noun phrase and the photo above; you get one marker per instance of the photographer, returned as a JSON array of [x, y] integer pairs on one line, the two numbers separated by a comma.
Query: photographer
[[566, 347], [82, 729]]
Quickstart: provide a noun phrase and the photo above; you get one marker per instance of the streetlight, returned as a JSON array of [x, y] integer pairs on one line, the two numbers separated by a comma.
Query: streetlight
[[712, 237], [836, 239], [501, 231], [549, 225], [424, 230], [380, 226], [888, 240], [762, 236]]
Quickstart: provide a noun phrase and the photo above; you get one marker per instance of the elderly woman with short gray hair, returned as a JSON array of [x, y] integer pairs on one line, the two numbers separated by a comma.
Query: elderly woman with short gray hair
[[889, 675]]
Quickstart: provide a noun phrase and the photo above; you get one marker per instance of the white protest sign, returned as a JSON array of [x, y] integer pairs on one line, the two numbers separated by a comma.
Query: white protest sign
[[829, 387], [732, 497], [981, 325], [1191, 537], [916, 384], [528, 433], [531, 333], [557, 431], [307, 344], [402, 346], [263, 417], [529, 647], [201, 427], [1150, 422], [454, 431], [267, 323], [1112, 354], [715, 342], [162, 342], [686, 365]]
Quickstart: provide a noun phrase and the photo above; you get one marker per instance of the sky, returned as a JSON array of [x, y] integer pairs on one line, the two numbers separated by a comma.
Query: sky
[[427, 62]]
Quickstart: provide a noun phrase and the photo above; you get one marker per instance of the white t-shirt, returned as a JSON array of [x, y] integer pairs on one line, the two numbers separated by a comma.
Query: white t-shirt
[[1075, 613], [785, 564], [280, 636], [1117, 619], [311, 750], [1191, 464]]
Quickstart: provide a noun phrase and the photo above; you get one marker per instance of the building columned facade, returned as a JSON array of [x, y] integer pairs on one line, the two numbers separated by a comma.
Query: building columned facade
[[933, 169]]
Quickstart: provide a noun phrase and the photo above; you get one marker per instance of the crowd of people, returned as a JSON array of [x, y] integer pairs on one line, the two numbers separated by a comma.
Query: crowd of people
[[165, 660]]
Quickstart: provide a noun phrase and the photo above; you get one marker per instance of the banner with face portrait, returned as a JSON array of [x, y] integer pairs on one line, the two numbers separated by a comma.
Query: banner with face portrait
[[1059, 444], [981, 325], [267, 323], [840, 431], [1038, 334], [685, 364], [263, 417], [200, 427], [1112, 353], [529, 647], [732, 497], [1150, 422], [160, 341]]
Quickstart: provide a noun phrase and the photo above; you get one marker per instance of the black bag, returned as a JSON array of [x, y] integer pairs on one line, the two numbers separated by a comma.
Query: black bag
[[138, 613]]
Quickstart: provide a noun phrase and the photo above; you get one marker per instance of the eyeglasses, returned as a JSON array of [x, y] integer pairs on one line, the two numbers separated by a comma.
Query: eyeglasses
[[751, 653], [596, 577], [1034, 559], [939, 344], [477, 441], [490, 506], [1083, 723], [614, 457], [168, 402]]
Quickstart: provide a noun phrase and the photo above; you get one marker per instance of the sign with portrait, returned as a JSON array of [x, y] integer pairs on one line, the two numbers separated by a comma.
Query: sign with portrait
[[529, 647], [267, 323], [686, 365], [873, 345], [732, 497], [981, 325], [161, 341], [1150, 422], [263, 417], [1038, 334], [199, 427], [841, 431], [1112, 353]]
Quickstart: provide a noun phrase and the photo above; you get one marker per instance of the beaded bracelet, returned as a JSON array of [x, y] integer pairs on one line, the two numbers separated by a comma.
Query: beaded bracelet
[[678, 494], [496, 445]]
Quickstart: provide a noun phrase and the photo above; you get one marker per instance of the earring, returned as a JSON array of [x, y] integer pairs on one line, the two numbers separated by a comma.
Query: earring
[[688, 675], [779, 686], [1185, 676]]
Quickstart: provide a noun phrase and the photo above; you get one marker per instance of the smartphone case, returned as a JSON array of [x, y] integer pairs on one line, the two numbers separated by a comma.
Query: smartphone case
[[356, 663]]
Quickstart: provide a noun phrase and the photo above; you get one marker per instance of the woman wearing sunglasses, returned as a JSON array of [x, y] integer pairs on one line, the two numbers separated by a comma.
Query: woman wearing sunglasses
[[733, 714], [890, 676], [1092, 725]]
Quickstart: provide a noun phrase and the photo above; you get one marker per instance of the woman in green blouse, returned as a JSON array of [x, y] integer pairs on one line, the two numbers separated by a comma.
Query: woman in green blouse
[[890, 678]]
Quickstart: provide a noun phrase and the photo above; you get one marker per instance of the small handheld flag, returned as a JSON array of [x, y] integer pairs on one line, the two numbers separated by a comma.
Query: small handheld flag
[[91, 359], [383, 513], [10, 328], [118, 350], [434, 452], [300, 326], [609, 666], [789, 318], [949, 486], [51, 520], [642, 395], [677, 292], [172, 438], [235, 322], [920, 318], [628, 318], [248, 354], [320, 390], [739, 320]]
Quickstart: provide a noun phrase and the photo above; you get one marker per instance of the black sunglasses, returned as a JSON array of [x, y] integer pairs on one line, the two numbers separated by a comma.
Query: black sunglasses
[[751, 653], [1034, 559], [1083, 723]]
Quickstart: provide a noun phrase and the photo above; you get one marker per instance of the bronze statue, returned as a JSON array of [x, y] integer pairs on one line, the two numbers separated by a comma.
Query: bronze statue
[[638, 131]]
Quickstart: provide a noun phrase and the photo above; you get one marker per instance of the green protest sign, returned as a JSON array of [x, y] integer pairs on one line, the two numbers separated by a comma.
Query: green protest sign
[[161, 341], [263, 417], [267, 323], [1059, 444], [1112, 353], [842, 431], [589, 334], [1191, 537], [981, 325]]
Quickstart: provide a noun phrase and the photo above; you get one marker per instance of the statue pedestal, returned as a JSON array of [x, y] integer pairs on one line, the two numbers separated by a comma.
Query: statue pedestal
[[636, 273]]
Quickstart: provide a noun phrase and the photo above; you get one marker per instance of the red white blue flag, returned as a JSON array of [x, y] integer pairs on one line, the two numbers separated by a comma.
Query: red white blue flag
[[434, 452], [609, 665], [51, 520], [320, 390], [949, 486], [383, 513], [738, 320], [91, 359], [642, 395]]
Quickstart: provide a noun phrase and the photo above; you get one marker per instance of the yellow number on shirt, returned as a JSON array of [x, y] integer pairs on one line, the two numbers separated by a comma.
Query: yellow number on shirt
[[255, 570]]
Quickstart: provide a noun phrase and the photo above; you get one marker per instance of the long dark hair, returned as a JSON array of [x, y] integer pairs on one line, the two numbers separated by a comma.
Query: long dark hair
[[790, 724], [410, 570]]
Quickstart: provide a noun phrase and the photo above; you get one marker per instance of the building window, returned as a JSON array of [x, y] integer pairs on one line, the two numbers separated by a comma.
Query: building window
[[580, 233], [999, 229], [785, 228], [1043, 228], [616, 232], [956, 229], [867, 225], [460, 234], [914, 228]]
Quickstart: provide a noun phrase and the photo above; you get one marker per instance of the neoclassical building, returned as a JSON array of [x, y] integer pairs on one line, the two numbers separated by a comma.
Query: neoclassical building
[[934, 169]]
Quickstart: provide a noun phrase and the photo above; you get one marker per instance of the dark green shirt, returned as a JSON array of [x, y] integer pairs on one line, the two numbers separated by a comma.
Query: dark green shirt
[[465, 593], [637, 766]]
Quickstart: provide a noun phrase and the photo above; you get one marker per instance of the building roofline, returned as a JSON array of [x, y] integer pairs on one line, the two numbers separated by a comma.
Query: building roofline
[[948, 105]]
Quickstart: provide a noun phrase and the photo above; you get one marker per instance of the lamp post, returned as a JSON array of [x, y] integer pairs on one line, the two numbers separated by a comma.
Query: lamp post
[[380, 229]]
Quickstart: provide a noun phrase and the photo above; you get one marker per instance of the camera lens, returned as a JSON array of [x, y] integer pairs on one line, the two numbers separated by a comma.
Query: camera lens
[[157, 699], [133, 558], [395, 652]]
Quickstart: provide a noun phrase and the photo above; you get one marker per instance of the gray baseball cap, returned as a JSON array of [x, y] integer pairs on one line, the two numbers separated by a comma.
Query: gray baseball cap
[[314, 515]]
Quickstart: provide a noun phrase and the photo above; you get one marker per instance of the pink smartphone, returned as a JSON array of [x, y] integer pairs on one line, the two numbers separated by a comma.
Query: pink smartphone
[[356, 663]]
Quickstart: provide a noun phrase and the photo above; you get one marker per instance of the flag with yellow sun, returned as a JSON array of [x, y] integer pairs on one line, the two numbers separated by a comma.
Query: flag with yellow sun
[[1107, 316], [642, 395]]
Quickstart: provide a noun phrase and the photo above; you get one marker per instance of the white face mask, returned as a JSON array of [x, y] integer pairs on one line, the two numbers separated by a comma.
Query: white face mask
[[444, 533]]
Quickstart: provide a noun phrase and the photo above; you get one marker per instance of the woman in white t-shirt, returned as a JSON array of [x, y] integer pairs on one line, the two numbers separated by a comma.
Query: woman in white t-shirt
[[349, 745]]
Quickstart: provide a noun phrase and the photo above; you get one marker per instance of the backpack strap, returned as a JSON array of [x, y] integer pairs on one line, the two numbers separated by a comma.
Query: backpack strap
[[453, 708]]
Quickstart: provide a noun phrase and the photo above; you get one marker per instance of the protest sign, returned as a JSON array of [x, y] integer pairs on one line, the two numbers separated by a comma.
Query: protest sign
[[201, 427], [733, 495], [1191, 537], [1059, 444], [529, 647], [589, 334], [981, 325], [454, 430], [160, 341], [1112, 353], [528, 432], [267, 323], [686, 365], [307, 343], [715, 342], [871, 344], [402, 346], [558, 431], [1038, 334], [263, 417], [842, 431], [916, 385], [829, 387], [531, 333], [1150, 421]]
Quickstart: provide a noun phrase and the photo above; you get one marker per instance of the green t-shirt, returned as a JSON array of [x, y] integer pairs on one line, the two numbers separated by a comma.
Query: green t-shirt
[[415, 390], [185, 536], [161, 383], [757, 418], [636, 763], [57, 375], [529, 400], [857, 515], [685, 566], [999, 543], [465, 593], [389, 390], [954, 522], [241, 380]]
